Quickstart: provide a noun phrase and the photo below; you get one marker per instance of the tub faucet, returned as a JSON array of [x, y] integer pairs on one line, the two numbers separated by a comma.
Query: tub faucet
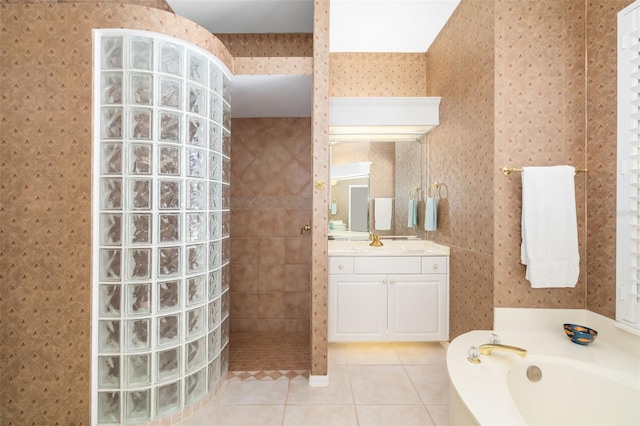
[[488, 348]]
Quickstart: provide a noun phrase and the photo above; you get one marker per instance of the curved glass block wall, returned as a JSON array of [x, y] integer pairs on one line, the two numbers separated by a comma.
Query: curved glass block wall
[[161, 225]]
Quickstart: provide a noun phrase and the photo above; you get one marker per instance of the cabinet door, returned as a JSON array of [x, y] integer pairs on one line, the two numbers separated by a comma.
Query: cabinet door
[[418, 307], [357, 308]]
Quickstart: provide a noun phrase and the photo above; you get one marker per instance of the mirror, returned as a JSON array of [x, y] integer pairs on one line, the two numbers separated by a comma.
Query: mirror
[[371, 185]]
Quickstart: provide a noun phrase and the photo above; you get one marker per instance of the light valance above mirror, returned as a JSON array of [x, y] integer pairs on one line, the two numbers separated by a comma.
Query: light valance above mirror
[[382, 118]]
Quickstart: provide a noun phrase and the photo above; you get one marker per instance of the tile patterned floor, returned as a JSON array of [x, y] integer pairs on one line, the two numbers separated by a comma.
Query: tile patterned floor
[[370, 385]]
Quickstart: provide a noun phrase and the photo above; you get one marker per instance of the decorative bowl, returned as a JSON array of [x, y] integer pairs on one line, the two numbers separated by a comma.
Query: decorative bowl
[[580, 334]]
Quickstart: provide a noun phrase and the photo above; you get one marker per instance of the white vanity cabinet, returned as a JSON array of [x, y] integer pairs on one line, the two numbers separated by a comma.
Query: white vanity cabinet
[[388, 298]]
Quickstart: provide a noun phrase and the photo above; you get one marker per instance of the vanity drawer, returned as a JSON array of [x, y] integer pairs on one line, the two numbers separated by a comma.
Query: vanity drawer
[[434, 265], [386, 265], [340, 265]]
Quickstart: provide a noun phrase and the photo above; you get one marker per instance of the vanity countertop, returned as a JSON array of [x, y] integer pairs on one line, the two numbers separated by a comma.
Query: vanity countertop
[[390, 248]]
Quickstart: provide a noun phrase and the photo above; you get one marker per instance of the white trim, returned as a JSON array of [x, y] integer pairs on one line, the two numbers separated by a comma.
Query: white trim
[[318, 381]]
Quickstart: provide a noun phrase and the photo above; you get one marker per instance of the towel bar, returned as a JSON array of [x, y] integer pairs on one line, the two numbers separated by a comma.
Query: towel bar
[[507, 170]]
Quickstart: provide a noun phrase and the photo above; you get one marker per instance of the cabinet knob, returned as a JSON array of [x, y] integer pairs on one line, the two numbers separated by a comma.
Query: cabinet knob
[[392, 281], [435, 266], [341, 266], [384, 281]]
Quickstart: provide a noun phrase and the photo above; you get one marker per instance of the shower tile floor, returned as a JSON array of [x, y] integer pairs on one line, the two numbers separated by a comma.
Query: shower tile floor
[[370, 384]]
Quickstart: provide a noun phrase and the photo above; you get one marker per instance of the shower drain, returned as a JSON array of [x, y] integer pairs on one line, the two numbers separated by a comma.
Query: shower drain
[[534, 374]]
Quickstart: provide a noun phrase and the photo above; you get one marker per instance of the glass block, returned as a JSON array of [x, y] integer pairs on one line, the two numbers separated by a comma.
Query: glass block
[[169, 126], [109, 336], [215, 314], [170, 58], [214, 284], [225, 304], [226, 88], [169, 227], [141, 53], [226, 169], [197, 68], [196, 287], [109, 407], [111, 193], [196, 163], [111, 88], [213, 344], [140, 194], [215, 254], [197, 100], [213, 374], [226, 224], [140, 121], [226, 116], [215, 166], [137, 405], [169, 261], [194, 386], [140, 158], [195, 322], [215, 109], [168, 398], [195, 227], [141, 89], [215, 195], [225, 278], [139, 264], [197, 132], [168, 329], [169, 194], [138, 299], [225, 251], [168, 364], [111, 53], [138, 334], [110, 264], [215, 225], [196, 195], [226, 143], [168, 295], [226, 196], [215, 137], [224, 358], [109, 300], [111, 123], [111, 158], [224, 339], [108, 372], [195, 354], [196, 258], [170, 93], [138, 369], [110, 229], [169, 160], [215, 78], [140, 228]]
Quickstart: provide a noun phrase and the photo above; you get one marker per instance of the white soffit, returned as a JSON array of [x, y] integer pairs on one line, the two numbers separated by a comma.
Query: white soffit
[[392, 26], [271, 96], [248, 16]]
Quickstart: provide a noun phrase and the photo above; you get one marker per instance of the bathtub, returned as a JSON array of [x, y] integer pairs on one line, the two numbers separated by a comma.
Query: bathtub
[[580, 385]]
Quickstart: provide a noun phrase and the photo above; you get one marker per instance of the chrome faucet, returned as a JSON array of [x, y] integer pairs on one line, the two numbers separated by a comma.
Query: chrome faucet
[[488, 348]]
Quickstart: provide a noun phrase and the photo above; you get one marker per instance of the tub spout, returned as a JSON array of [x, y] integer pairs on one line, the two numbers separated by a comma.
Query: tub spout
[[490, 347]]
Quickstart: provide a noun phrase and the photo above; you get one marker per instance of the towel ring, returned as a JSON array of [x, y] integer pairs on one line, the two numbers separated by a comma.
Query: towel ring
[[414, 192], [438, 185]]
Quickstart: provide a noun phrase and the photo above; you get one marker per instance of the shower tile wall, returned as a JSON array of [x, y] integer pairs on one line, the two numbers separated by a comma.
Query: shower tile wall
[[270, 203], [45, 259]]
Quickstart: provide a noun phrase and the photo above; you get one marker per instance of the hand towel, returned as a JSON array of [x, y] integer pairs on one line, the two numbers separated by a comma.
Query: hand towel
[[431, 215], [549, 227], [383, 208], [412, 214]]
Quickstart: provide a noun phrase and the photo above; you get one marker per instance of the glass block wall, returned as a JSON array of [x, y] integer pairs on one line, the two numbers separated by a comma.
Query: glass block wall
[[161, 225]]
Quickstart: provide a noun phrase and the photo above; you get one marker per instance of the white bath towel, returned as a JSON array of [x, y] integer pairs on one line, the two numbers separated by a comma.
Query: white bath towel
[[549, 227], [431, 214], [383, 208]]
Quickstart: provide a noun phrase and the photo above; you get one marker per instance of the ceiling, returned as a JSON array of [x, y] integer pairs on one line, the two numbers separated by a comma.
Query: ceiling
[[401, 26]]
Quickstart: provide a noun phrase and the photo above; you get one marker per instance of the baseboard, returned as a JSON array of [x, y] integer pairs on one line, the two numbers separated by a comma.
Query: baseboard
[[318, 381]]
